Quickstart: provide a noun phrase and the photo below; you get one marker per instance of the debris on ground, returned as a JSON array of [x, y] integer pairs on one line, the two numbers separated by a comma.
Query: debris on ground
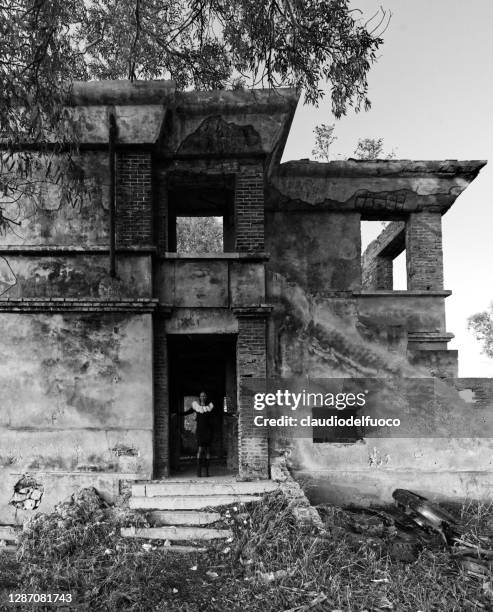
[[427, 515], [412, 556], [27, 494], [415, 523]]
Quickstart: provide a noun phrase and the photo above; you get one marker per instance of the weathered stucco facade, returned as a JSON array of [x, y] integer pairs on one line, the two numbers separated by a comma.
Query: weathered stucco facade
[[93, 367]]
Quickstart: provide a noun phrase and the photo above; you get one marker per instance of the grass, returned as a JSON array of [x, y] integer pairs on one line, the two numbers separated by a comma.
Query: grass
[[271, 566]]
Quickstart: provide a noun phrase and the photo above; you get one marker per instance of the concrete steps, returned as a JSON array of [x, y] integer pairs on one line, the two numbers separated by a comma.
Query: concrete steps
[[197, 518], [188, 502], [203, 488], [176, 534], [184, 549], [179, 509], [8, 533], [8, 539]]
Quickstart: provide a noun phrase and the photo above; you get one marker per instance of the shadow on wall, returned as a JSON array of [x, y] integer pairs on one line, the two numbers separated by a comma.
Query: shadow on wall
[[321, 338]]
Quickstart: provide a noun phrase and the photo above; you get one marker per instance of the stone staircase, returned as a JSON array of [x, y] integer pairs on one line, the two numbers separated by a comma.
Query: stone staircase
[[182, 513]]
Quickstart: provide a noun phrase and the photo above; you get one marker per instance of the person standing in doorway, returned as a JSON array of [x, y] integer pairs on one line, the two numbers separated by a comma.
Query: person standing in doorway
[[204, 430]]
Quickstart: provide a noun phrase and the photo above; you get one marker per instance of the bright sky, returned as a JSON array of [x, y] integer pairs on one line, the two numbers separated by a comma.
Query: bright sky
[[432, 98]]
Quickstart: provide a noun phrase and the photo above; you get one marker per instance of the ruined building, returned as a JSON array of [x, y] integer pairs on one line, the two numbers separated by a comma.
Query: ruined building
[[96, 369]]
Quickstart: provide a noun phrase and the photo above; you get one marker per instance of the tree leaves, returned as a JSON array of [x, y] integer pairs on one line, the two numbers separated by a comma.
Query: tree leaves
[[46, 44], [481, 324], [371, 149], [324, 137], [199, 235], [202, 44]]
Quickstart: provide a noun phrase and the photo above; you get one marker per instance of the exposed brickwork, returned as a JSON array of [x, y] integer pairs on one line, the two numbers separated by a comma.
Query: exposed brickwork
[[231, 442], [376, 262], [377, 273], [424, 251], [161, 218], [249, 208], [161, 399], [251, 362], [134, 215], [304, 513], [205, 165], [385, 202]]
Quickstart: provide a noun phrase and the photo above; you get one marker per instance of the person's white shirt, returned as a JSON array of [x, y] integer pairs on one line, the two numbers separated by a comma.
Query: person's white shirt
[[202, 409]]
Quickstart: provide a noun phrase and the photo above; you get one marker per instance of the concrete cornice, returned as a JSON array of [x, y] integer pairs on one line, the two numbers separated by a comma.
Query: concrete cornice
[[122, 93], [383, 293], [254, 256], [63, 305], [380, 168], [235, 101], [260, 311], [382, 189], [56, 249]]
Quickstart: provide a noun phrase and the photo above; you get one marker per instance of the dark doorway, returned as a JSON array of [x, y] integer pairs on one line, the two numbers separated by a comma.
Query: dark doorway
[[202, 362]]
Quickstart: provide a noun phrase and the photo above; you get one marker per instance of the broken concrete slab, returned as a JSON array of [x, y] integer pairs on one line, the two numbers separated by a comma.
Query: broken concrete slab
[[209, 488], [174, 533], [176, 548], [159, 518], [8, 533], [189, 502]]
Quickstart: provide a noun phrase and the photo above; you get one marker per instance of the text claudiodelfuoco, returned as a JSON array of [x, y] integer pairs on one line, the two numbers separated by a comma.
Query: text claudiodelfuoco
[[292, 401]]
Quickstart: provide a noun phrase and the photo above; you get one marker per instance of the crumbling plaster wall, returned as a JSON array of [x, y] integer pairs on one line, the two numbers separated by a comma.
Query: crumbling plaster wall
[[380, 187], [324, 326], [76, 398], [75, 363], [44, 218], [253, 121], [74, 275], [77, 385]]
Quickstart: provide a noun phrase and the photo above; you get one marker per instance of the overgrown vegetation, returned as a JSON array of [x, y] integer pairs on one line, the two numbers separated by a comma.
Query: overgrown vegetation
[[481, 325], [272, 564], [367, 149], [199, 235], [317, 46]]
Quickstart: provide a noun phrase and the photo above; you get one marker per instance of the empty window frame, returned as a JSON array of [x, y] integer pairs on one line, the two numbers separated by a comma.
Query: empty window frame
[[383, 260], [200, 214]]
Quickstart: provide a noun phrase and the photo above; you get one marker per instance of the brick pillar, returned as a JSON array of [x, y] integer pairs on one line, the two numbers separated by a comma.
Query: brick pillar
[[249, 208], [251, 356], [134, 214], [424, 251], [161, 230], [161, 398]]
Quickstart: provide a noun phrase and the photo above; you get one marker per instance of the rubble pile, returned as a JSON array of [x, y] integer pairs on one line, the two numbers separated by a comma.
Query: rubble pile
[[27, 494], [413, 523]]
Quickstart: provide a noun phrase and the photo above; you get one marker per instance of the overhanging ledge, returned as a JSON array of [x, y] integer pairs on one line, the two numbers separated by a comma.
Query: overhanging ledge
[[402, 293], [261, 311], [62, 305]]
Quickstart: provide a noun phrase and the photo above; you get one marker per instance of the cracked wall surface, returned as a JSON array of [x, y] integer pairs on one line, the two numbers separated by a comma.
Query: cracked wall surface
[[336, 315], [76, 356], [77, 392]]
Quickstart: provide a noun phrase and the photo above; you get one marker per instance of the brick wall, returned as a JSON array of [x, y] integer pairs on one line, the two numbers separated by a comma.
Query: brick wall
[[249, 208], [377, 273], [161, 400], [376, 262], [162, 216], [134, 215], [251, 362], [424, 251]]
